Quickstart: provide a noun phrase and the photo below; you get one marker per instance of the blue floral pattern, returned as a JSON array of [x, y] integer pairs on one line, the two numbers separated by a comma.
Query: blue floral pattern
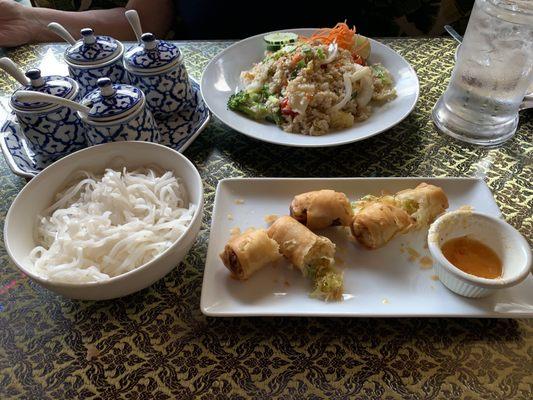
[[104, 47], [186, 123], [87, 77], [141, 126], [166, 93], [52, 134], [55, 85], [15, 152], [125, 98], [163, 54], [176, 133]]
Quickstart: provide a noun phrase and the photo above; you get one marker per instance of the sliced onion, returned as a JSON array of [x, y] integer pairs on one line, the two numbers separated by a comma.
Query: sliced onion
[[365, 94], [333, 49], [360, 73], [347, 93]]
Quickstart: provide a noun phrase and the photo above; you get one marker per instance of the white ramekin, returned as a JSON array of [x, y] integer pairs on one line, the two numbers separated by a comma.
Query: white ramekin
[[513, 250]]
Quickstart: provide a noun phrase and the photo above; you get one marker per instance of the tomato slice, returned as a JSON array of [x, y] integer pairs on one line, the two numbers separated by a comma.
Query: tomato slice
[[358, 59], [286, 109]]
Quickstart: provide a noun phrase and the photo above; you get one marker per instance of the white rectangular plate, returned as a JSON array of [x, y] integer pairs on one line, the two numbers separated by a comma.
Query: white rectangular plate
[[378, 283]]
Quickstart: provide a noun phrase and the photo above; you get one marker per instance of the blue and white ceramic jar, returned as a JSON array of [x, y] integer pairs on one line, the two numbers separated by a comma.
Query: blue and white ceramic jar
[[95, 57], [117, 112], [156, 67], [51, 130]]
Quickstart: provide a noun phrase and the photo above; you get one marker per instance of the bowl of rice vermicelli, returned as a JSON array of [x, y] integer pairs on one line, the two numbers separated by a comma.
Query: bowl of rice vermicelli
[[106, 221]]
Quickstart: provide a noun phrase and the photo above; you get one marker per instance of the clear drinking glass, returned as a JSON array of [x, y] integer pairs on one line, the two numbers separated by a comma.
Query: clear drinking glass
[[492, 73]]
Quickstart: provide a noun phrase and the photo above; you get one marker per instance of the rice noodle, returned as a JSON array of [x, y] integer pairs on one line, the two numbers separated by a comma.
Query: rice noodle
[[104, 226]]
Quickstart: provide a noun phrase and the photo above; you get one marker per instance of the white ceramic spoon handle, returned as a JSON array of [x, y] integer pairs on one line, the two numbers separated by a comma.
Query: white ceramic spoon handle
[[12, 69], [31, 96], [60, 31], [133, 18]]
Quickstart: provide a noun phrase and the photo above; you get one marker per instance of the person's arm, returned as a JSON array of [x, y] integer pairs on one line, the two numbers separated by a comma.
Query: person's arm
[[20, 24]]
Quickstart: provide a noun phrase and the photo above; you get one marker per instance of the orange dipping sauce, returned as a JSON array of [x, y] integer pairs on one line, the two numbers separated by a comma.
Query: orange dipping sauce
[[473, 257]]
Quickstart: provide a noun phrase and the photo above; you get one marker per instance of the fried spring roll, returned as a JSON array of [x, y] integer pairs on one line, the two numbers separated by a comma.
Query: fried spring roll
[[424, 203], [377, 223], [305, 250], [322, 208], [249, 252]]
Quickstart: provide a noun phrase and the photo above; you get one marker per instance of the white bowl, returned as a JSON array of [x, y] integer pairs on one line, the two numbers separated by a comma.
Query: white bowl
[[37, 195], [510, 246]]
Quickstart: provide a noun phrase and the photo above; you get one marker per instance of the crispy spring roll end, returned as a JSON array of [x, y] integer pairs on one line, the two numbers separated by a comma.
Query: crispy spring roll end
[[231, 261], [362, 235], [320, 255], [303, 248], [249, 252], [320, 209], [298, 214]]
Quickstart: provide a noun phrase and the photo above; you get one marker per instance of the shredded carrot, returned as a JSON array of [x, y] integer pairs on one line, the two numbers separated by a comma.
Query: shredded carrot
[[340, 34], [297, 57]]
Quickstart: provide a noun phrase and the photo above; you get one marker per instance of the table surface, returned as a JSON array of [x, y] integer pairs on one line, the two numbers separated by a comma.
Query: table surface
[[157, 344]]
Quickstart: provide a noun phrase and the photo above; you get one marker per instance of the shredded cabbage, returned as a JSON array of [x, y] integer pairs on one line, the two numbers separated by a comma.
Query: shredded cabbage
[[328, 285], [104, 226]]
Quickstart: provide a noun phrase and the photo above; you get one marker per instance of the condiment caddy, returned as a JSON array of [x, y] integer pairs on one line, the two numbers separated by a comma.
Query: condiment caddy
[[56, 115]]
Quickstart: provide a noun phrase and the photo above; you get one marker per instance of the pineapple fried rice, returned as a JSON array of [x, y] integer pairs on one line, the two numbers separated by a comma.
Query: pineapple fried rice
[[312, 87]]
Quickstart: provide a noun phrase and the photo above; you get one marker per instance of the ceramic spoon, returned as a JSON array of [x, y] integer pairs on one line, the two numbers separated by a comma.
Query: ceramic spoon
[[13, 70], [133, 18], [60, 31], [30, 96]]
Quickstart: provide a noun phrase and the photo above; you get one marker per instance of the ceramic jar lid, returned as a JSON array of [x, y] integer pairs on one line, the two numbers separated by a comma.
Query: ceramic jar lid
[[93, 49], [151, 55], [56, 85], [112, 101]]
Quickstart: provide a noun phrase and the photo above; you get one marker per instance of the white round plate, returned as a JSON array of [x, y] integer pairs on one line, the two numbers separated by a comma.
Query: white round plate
[[221, 79]]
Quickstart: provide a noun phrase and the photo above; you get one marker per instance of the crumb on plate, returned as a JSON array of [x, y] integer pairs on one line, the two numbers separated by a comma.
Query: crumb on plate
[[235, 231], [413, 254], [271, 218], [426, 262]]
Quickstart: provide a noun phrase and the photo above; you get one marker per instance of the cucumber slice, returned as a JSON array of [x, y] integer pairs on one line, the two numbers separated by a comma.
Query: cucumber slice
[[273, 47], [275, 41]]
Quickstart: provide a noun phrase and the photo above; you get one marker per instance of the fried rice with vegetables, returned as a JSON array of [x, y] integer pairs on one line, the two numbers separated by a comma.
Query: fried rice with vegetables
[[315, 85]]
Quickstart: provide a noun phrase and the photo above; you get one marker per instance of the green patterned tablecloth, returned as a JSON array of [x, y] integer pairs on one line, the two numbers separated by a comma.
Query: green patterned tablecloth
[[157, 344]]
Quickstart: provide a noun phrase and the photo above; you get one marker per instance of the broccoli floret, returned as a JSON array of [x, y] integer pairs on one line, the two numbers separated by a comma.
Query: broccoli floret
[[320, 54], [253, 105], [382, 74]]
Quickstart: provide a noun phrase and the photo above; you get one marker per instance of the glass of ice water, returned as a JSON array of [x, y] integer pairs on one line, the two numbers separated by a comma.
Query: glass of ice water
[[492, 74]]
